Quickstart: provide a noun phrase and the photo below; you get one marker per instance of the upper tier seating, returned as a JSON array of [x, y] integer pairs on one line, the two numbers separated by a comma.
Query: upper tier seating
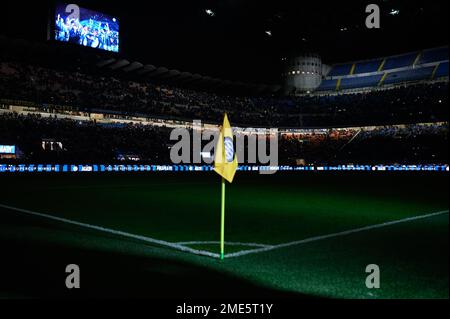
[[442, 70], [361, 82], [413, 67], [340, 69], [400, 61], [434, 55], [409, 75], [368, 66]]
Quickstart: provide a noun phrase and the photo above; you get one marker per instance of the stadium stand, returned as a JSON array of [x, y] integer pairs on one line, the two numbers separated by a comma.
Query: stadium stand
[[24, 84], [414, 143], [442, 70], [415, 66], [50, 89], [327, 85], [45, 104], [360, 82], [400, 61], [434, 55], [409, 75], [341, 69], [88, 141], [368, 66]]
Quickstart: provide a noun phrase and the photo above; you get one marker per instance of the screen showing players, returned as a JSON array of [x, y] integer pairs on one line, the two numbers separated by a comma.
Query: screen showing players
[[85, 27]]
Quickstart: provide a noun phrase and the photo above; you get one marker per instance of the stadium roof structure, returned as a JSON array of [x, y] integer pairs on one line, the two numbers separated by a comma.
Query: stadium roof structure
[[186, 79], [118, 66], [246, 40]]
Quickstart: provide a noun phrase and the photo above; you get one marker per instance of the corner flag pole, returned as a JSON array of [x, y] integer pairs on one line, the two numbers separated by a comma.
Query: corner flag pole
[[222, 222], [225, 164]]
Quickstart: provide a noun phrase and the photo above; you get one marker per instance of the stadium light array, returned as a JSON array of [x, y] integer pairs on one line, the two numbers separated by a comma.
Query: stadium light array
[[394, 12], [210, 12]]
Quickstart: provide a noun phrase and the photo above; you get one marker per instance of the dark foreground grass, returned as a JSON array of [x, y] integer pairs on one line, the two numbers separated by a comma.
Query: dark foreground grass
[[413, 256]]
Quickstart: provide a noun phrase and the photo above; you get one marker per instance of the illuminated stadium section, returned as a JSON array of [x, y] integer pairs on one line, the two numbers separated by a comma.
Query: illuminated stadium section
[[430, 64], [108, 113]]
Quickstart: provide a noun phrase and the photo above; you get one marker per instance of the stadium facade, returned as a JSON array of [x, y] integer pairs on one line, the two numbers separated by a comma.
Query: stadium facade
[[306, 72]]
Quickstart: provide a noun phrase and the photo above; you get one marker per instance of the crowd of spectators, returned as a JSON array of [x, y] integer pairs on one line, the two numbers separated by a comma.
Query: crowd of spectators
[[426, 102], [91, 142], [88, 141], [82, 141], [414, 144]]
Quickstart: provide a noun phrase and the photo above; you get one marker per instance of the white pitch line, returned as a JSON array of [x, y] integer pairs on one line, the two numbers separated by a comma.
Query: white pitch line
[[180, 247], [115, 232], [229, 243], [343, 233]]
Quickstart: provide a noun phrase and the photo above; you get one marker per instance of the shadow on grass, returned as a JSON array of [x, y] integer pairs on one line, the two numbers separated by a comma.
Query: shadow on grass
[[38, 271]]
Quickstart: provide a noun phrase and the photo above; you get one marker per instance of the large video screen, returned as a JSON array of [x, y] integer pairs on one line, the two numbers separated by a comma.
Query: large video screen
[[7, 149], [85, 27]]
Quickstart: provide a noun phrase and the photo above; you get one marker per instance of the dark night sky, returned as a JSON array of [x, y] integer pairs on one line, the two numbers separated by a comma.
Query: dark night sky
[[234, 45]]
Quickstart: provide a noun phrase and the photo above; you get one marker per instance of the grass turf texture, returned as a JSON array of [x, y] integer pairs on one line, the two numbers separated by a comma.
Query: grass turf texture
[[263, 209]]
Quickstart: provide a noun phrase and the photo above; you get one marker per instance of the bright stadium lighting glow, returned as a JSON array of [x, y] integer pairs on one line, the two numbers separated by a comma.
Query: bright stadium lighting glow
[[394, 12], [210, 12]]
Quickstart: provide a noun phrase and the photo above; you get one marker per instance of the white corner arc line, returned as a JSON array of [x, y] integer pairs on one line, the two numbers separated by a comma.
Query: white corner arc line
[[229, 243], [343, 233], [180, 247], [115, 232]]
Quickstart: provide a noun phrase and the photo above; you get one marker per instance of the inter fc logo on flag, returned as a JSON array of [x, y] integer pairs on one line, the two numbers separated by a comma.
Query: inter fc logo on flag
[[225, 160], [229, 149]]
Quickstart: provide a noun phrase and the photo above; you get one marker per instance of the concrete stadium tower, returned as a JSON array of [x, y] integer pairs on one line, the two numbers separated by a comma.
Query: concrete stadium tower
[[303, 72]]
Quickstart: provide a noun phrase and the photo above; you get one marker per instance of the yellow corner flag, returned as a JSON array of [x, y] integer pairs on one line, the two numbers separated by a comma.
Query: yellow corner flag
[[225, 161], [225, 164]]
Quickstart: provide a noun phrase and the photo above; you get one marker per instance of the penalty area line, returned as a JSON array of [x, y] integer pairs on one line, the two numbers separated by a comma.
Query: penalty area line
[[339, 234], [115, 232]]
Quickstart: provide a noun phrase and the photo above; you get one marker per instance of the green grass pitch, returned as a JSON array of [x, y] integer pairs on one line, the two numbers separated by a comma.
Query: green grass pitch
[[262, 211]]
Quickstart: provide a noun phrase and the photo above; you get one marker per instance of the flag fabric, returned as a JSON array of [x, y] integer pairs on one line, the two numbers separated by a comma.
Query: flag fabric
[[225, 160]]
